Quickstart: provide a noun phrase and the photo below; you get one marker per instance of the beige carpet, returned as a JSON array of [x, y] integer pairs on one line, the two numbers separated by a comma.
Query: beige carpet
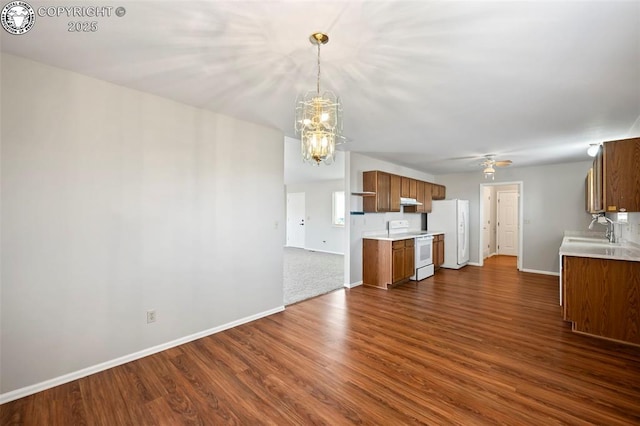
[[309, 273]]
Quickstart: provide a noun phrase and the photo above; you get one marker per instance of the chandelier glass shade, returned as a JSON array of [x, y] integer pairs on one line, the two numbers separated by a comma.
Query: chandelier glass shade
[[319, 118]]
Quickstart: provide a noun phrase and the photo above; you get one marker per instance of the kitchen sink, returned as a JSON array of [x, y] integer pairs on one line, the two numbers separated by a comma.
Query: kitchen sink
[[590, 241]]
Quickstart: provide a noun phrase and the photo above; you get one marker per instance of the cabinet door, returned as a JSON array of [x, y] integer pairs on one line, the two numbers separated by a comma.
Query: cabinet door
[[397, 266], [404, 188], [409, 261], [622, 175], [419, 198], [413, 188], [394, 193], [438, 191], [438, 251], [426, 204]]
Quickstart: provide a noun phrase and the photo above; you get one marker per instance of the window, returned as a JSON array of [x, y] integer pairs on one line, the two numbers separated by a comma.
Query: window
[[338, 208]]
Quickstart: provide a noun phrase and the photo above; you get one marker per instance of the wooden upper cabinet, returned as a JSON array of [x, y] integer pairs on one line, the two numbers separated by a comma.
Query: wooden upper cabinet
[[428, 196], [394, 193], [438, 192], [409, 188], [423, 196], [387, 189], [621, 175]]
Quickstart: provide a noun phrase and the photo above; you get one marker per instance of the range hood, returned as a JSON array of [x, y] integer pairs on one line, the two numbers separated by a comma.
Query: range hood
[[409, 202]]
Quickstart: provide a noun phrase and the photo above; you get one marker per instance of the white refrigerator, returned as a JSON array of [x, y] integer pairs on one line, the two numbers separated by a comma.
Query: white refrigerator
[[452, 217]]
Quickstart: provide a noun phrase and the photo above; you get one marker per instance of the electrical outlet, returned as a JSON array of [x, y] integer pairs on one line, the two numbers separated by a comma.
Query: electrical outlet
[[151, 316]]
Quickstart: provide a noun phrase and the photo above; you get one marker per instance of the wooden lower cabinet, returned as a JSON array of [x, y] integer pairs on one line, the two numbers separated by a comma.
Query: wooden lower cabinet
[[387, 263], [601, 297], [438, 251]]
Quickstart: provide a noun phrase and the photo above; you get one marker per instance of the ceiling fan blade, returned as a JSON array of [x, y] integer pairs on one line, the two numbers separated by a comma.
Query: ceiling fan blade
[[503, 163]]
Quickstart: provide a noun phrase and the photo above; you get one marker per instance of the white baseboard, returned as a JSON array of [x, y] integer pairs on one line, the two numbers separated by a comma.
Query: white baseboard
[[535, 271], [474, 263], [352, 285], [38, 387]]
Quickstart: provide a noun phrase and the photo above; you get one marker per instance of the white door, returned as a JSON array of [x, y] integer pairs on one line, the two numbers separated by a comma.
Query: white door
[[508, 223], [295, 219], [486, 222]]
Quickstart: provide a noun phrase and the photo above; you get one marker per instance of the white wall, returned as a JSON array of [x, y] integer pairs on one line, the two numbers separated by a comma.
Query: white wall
[[553, 202], [361, 224], [115, 202], [320, 234]]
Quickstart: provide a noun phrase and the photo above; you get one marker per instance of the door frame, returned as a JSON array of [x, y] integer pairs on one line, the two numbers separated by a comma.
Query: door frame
[[520, 185]]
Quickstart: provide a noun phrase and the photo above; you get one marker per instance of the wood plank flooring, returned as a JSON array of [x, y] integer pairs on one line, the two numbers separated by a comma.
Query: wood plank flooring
[[471, 347]]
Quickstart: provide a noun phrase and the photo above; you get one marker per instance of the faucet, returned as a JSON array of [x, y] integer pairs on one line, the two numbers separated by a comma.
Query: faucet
[[600, 218]]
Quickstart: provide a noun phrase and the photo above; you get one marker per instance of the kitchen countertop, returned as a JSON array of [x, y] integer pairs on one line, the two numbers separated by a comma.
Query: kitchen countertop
[[579, 244], [384, 236]]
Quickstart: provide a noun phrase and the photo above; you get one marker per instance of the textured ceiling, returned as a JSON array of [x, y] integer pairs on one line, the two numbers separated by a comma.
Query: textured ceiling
[[429, 85]]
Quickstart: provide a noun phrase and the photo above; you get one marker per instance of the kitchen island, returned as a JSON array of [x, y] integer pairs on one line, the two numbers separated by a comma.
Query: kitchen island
[[600, 287]]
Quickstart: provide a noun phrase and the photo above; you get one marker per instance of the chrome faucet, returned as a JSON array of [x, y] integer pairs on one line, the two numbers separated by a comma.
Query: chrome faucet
[[610, 233]]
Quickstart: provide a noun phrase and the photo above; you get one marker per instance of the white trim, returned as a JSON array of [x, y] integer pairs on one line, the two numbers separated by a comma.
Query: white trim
[[47, 384], [474, 264], [352, 285], [536, 271]]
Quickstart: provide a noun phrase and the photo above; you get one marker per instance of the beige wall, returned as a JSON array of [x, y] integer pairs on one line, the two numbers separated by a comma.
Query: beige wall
[[115, 202]]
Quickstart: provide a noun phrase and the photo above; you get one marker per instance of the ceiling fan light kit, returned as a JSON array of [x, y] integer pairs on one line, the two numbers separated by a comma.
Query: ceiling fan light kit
[[488, 164], [489, 172], [319, 118]]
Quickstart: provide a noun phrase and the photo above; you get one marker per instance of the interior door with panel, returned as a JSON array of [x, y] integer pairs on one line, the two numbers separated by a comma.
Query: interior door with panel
[[295, 219], [507, 223]]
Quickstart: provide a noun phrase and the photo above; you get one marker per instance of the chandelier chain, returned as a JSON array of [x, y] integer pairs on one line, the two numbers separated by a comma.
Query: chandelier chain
[[318, 84]]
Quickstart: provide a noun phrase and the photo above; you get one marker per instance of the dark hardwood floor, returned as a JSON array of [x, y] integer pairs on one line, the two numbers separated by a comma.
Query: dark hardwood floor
[[474, 346]]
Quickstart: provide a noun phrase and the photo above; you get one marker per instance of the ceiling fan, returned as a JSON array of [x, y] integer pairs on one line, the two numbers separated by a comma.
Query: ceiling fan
[[489, 163]]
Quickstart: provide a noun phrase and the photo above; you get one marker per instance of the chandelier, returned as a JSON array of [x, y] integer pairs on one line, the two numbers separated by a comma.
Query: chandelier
[[319, 118]]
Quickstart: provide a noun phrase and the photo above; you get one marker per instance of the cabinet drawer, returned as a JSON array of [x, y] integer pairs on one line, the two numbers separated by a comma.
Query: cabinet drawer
[[403, 243], [397, 244]]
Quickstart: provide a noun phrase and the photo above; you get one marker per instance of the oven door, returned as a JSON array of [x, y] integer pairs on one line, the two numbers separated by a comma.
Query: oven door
[[424, 251]]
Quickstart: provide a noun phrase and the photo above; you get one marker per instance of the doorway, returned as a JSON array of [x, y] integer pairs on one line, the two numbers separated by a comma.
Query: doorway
[[501, 221], [295, 219]]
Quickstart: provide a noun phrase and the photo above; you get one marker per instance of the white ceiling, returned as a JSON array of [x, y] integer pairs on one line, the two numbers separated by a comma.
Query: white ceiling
[[426, 84]]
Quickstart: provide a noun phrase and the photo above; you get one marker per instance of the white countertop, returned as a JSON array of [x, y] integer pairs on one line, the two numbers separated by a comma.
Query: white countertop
[[384, 236], [587, 245]]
